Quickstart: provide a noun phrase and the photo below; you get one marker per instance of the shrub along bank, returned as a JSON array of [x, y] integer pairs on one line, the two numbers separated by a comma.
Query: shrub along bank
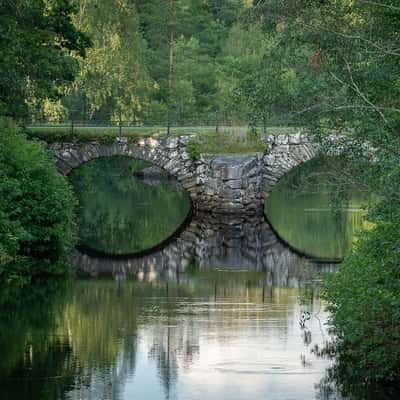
[[37, 208]]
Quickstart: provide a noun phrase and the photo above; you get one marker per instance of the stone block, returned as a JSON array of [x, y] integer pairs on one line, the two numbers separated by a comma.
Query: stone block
[[122, 140], [269, 159], [234, 184], [231, 172], [282, 139], [151, 142], [282, 148], [268, 138], [171, 142], [184, 139], [295, 138]]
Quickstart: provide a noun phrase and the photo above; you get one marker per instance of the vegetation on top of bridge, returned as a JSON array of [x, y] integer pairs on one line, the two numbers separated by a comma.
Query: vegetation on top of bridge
[[228, 139]]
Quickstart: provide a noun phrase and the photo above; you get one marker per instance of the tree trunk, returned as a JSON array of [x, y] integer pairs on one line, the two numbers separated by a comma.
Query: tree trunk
[[171, 47]]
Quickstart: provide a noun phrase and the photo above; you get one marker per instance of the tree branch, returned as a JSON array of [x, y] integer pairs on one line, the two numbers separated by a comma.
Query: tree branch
[[373, 3]]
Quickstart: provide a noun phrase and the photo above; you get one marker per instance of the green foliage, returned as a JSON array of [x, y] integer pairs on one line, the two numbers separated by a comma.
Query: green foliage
[[200, 29], [334, 64], [113, 79], [107, 138], [346, 71], [36, 205], [38, 43], [193, 148], [51, 135], [364, 298], [229, 140], [126, 71], [226, 143]]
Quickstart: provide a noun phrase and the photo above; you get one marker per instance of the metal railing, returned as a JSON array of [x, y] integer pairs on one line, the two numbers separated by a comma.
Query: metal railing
[[215, 120]]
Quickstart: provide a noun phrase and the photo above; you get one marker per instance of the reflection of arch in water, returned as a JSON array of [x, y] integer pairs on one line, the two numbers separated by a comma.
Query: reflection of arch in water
[[313, 213], [239, 243], [83, 249]]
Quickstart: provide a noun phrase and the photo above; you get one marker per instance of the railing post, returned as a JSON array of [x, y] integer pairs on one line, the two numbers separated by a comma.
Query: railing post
[[120, 124], [72, 124], [134, 117], [216, 121], [181, 115], [168, 121], [225, 117], [264, 125]]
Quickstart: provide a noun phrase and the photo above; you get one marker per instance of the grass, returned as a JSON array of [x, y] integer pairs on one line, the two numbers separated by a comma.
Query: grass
[[228, 140], [225, 143]]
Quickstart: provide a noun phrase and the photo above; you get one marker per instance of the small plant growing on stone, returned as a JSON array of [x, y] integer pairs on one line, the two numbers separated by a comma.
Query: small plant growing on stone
[[252, 133], [84, 139], [254, 138], [107, 138], [193, 148]]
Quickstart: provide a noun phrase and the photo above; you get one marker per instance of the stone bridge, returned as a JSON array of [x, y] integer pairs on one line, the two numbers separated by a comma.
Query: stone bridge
[[216, 183]]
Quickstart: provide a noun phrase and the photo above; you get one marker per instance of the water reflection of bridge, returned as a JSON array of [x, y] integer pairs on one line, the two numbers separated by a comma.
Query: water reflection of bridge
[[208, 242]]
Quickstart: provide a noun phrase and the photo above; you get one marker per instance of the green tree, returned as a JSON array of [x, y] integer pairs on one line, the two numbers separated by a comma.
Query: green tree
[[36, 206], [113, 78], [200, 31], [38, 42]]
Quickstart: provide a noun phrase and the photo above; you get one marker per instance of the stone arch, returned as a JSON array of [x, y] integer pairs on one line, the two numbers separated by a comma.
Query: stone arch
[[285, 153], [168, 153]]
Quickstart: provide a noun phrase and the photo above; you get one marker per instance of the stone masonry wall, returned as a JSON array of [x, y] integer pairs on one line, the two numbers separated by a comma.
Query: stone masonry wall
[[284, 153], [216, 183], [165, 152], [230, 183]]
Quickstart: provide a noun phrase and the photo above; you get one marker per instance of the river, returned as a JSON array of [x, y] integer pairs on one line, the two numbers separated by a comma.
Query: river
[[164, 306]]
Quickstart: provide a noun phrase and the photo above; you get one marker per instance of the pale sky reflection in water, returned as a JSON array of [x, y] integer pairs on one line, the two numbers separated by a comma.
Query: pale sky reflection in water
[[224, 349]]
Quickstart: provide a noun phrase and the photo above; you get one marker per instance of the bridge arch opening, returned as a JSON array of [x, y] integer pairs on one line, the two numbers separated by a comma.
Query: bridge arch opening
[[311, 211], [125, 208]]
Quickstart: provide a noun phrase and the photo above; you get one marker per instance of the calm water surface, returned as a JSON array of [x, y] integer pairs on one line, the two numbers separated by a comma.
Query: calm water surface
[[215, 335], [214, 314]]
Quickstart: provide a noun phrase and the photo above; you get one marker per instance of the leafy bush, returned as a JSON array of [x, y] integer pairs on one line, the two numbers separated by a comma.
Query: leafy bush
[[364, 299], [36, 203], [252, 133], [50, 135], [193, 148], [107, 138], [66, 135]]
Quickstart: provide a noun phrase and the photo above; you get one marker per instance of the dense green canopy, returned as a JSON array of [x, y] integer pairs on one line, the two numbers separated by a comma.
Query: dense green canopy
[[39, 45], [128, 73]]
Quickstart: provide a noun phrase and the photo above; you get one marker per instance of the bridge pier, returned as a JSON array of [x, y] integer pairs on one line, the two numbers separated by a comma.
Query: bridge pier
[[231, 184]]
